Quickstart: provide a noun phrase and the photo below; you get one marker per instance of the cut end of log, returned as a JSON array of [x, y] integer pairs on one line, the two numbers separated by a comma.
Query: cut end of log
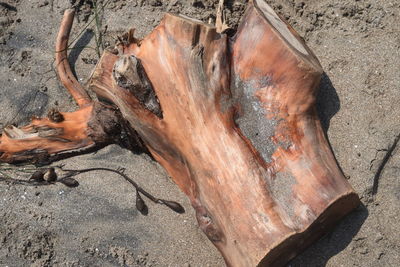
[[261, 11], [299, 241]]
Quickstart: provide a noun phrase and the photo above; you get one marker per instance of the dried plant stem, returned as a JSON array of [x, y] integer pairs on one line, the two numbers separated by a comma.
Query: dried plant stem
[[138, 188], [220, 22], [383, 163], [98, 35]]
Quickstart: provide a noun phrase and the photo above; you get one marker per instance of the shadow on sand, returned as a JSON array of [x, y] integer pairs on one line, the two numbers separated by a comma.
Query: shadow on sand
[[328, 103], [80, 44], [318, 254], [334, 242]]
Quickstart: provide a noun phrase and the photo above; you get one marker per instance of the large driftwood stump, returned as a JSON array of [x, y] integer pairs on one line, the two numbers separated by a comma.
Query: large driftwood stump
[[233, 121]]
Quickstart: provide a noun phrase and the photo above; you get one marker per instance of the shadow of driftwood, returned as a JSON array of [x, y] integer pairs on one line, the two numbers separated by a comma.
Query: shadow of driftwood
[[334, 242], [81, 44], [328, 103]]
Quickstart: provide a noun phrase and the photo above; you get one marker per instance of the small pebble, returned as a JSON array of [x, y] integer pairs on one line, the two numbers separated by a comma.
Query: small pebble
[[155, 3]]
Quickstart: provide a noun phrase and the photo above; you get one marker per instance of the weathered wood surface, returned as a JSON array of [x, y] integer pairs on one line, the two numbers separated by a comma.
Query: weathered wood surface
[[233, 121]]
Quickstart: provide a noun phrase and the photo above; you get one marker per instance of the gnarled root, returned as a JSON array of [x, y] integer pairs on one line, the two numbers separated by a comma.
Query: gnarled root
[[60, 135]]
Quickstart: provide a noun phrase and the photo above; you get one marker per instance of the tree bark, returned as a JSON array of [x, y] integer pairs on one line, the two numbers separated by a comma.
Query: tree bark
[[233, 121]]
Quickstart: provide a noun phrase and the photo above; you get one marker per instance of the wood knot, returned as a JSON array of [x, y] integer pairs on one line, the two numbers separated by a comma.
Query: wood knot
[[129, 73], [208, 225], [55, 116]]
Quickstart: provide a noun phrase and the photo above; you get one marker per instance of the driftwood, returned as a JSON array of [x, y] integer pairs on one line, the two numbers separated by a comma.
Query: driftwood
[[232, 120]]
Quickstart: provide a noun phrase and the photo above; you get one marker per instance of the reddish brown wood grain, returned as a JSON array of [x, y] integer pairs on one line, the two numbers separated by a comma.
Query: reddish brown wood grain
[[63, 69], [46, 140], [257, 207], [46, 136]]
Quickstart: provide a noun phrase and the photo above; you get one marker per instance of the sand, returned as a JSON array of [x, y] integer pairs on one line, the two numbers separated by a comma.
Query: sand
[[96, 224]]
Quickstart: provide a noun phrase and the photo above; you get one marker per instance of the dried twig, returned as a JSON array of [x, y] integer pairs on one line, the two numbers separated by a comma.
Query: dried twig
[[99, 35], [220, 22], [37, 179], [171, 204], [383, 163], [87, 25]]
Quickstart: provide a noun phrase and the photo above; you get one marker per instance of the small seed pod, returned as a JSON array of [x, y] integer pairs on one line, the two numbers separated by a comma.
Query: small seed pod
[[37, 176], [141, 205], [51, 175], [174, 206], [70, 182]]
